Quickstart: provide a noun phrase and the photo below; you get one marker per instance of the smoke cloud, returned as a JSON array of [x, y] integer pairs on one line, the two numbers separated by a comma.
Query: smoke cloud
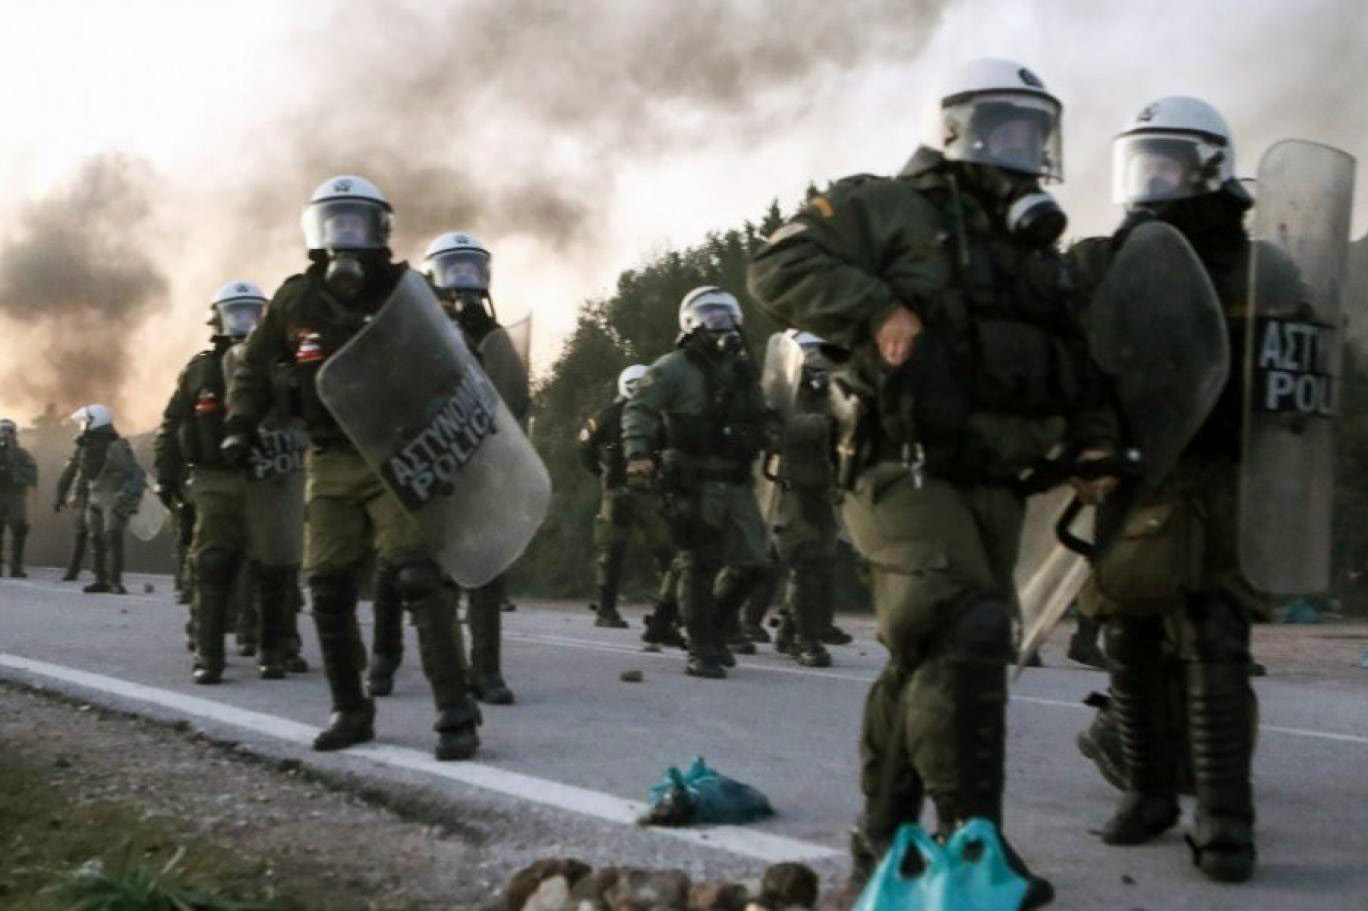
[[74, 282], [511, 117]]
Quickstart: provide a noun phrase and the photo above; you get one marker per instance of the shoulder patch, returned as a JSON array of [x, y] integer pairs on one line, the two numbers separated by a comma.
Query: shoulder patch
[[822, 205], [792, 229]]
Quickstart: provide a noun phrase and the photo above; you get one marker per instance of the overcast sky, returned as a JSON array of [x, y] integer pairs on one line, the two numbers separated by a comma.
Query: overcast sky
[[154, 150]]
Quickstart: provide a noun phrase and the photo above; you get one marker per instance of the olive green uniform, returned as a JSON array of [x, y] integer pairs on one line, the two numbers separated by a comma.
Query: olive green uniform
[[625, 515], [18, 475], [66, 490], [805, 523], [1177, 610], [238, 516], [714, 422], [110, 483], [929, 453], [348, 509]]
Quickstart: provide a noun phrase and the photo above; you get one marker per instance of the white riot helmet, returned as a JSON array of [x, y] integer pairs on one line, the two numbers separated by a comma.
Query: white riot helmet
[[1174, 148], [813, 355], [710, 308], [90, 417], [997, 112], [457, 262], [629, 378], [237, 308], [347, 213]]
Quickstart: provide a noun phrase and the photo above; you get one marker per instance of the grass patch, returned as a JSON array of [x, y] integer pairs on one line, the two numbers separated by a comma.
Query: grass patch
[[58, 853]]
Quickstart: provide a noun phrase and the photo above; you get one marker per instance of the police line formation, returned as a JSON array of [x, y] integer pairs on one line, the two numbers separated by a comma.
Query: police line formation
[[947, 361]]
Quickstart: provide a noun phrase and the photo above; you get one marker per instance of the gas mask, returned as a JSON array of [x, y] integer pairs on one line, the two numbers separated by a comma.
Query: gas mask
[[1031, 215], [345, 275]]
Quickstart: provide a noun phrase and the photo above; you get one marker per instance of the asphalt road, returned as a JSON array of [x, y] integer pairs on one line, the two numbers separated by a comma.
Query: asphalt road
[[581, 748]]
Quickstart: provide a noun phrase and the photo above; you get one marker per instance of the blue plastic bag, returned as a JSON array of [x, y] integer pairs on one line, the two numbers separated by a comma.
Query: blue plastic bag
[[1364, 661], [967, 873], [702, 796], [1297, 610]]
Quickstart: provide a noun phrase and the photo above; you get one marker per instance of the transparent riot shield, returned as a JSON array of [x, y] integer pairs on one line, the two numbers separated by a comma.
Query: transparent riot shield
[[779, 381], [423, 414], [504, 356], [1292, 369], [1155, 326], [1048, 575], [148, 521]]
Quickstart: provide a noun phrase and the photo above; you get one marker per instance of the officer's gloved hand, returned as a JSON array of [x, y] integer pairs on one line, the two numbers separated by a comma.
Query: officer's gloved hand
[[239, 437], [167, 493], [641, 473]]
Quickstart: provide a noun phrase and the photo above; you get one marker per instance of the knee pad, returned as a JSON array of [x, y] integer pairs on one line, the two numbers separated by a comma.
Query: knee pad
[[417, 580], [1132, 640], [216, 566], [1220, 630], [332, 593], [983, 629]]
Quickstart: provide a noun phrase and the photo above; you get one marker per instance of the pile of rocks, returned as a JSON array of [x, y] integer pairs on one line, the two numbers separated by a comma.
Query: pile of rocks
[[565, 884]]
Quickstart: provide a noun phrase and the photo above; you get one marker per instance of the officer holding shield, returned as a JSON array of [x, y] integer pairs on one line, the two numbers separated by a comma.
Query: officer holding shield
[[967, 367], [1169, 587], [110, 482], [189, 437], [350, 510]]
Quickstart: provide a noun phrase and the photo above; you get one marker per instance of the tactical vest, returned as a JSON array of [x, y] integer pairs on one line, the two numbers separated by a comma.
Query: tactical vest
[[807, 439], [732, 428], [1005, 340], [1221, 434]]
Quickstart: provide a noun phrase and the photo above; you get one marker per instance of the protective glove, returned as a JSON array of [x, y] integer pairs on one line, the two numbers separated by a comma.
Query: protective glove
[[168, 493], [238, 441]]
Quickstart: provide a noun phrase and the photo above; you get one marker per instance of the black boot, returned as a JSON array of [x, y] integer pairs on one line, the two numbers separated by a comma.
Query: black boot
[[1140, 703], [273, 604], [20, 534], [1083, 646], [485, 621], [1221, 708], [294, 603], [387, 634], [443, 658], [353, 713], [734, 588], [116, 561], [1101, 742], [807, 600], [78, 546], [215, 570], [979, 649], [660, 626], [609, 573], [98, 557], [758, 604]]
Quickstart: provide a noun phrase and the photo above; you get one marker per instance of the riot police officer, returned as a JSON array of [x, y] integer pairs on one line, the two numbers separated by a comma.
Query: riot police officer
[[966, 369], [311, 316], [705, 397], [624, 513], [1176, 607], [109, 482], [18, 473]]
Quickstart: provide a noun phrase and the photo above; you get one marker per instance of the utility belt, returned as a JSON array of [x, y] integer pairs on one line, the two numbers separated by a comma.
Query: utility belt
[[681, 472]]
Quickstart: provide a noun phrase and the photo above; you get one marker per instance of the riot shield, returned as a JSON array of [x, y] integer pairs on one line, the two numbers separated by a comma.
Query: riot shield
[[1155, 326], [504, 356], [1294, 337], [779, 381], [414, 401], [1048, 575], [147, 522]]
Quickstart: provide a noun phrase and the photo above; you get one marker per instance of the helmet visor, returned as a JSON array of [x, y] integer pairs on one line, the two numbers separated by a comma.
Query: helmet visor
[[345, 224], [1151, 167], [460, 270], [716, 317], [1016, 131], [239, 317]]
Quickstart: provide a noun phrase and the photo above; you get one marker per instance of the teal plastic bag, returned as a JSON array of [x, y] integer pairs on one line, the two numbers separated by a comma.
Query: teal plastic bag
[[703, 796], [1297, 610], [1364, 661], [967, 873]]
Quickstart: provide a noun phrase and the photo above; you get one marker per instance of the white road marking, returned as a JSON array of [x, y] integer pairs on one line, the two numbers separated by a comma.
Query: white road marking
[[761, 846], [571, 642]]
